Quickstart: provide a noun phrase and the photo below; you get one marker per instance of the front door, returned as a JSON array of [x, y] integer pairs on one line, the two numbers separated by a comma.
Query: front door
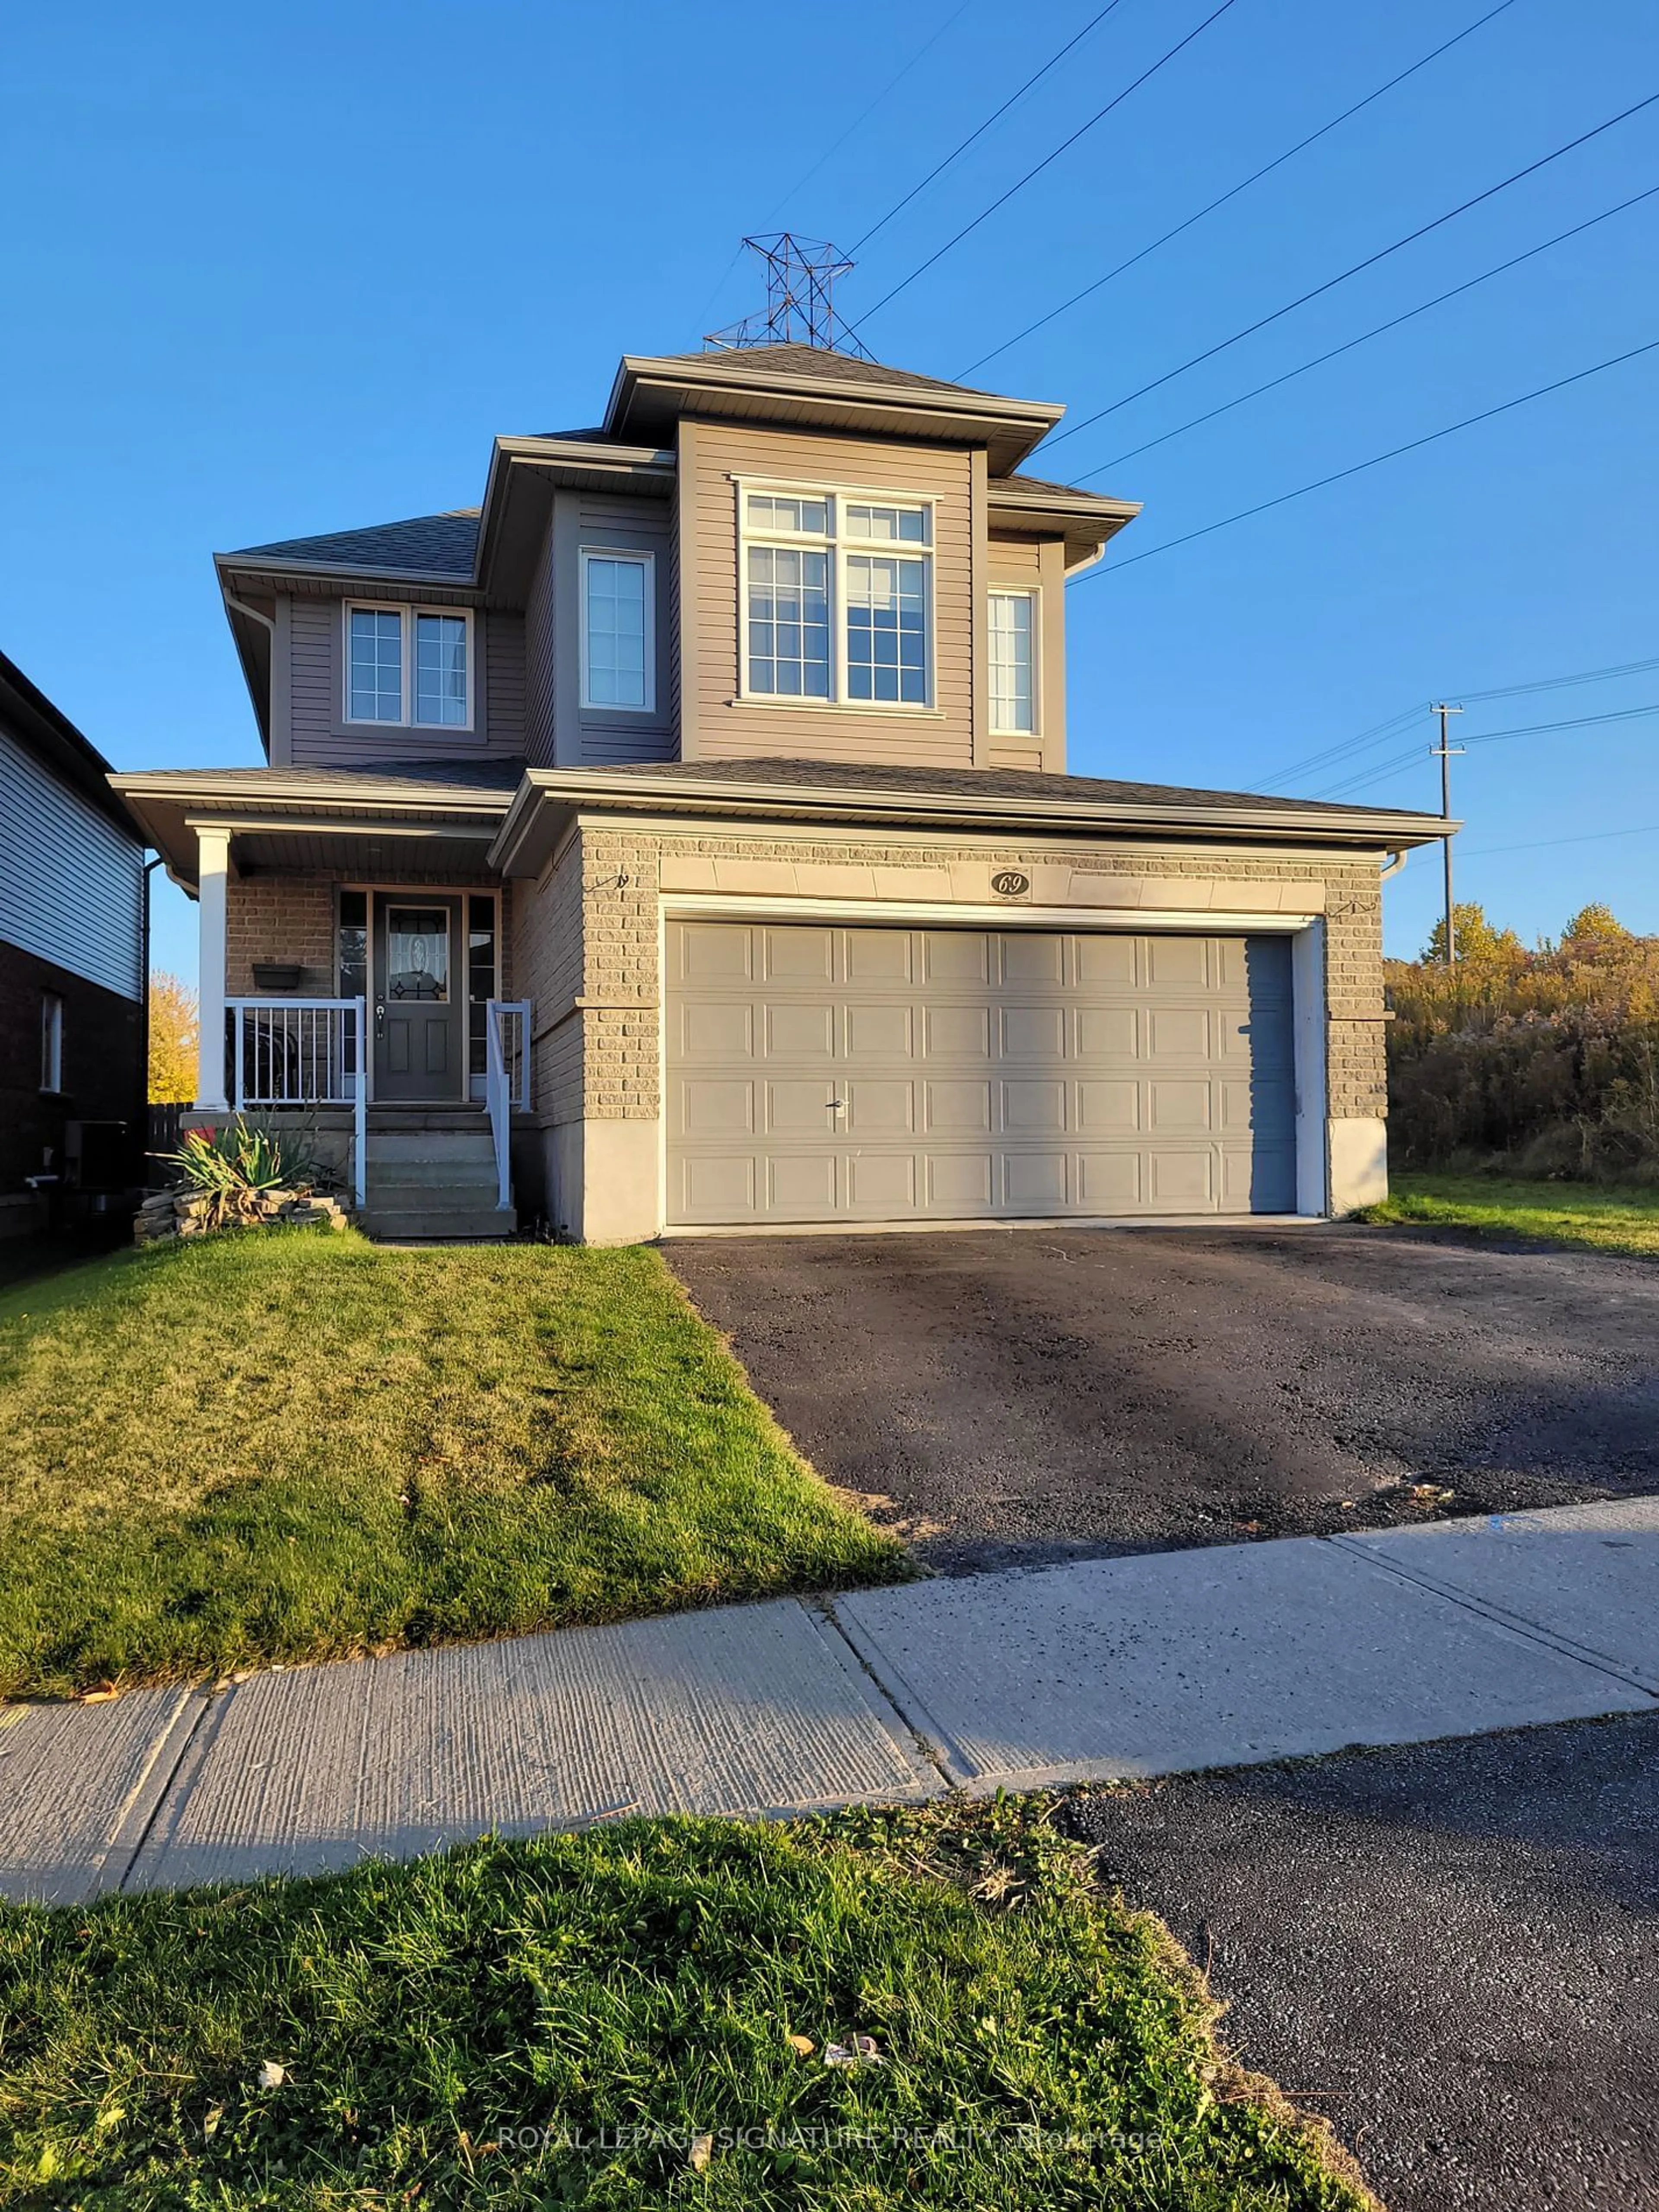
[[419, 1005]]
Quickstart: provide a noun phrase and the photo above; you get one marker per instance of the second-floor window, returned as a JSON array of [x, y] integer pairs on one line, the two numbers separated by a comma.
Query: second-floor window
[[1013, 663], [618, 647], [408, 665], [837, 597]]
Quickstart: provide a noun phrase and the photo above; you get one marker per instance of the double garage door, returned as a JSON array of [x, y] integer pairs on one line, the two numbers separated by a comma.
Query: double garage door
[[818, 1073]]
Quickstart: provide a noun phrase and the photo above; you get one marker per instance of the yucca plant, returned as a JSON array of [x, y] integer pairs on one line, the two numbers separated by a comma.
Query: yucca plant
[[233, 1167]]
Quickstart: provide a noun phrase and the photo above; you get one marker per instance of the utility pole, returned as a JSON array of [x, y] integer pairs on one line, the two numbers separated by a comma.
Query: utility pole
[[1443, 751]]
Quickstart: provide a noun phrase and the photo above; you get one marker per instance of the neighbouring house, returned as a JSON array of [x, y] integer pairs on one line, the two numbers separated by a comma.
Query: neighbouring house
[[682, 840], [71, 966]]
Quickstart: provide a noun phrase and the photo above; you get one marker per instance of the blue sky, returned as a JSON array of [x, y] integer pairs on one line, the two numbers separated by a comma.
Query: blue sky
[[271, 273]]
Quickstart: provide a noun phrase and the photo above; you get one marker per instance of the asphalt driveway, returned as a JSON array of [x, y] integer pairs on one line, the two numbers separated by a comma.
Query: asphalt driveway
[[1006, 1397], [1452, 1951]]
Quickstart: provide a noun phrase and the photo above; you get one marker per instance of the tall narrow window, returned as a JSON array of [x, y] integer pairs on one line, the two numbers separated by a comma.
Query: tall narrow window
[[837, 598], [408, 665], [1013, 663], [52, 1042], [376, 682], [618, 630], [441, 670]]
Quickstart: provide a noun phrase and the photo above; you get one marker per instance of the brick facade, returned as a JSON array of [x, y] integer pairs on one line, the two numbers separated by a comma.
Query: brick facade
[[103, 1070], [291, 917], [589, 937]]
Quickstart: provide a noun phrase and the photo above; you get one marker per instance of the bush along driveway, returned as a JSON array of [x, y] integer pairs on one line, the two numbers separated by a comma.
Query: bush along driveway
[[286, 1444]]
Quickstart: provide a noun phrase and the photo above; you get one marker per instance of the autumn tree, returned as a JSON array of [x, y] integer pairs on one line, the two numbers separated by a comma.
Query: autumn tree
[[173, 1033], [1593, 929], [1478, 942]]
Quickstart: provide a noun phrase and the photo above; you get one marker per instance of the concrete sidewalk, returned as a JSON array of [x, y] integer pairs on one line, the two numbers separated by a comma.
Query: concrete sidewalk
[[1155, 1664]]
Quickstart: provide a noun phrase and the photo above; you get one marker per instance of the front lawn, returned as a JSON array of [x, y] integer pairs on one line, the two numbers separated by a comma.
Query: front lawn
[[639, 2016], [1602, 1218], [283, 1445]]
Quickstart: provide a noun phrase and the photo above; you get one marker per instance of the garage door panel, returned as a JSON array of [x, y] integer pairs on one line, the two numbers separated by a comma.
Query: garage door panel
[[959, 1184], [714, 1106], [801, 1186], [877, 1032], [882, 1183], [1032, 1032], [956, 1106], [794, 1032], [979, 1074], [799, 955], [879, 1107], [956, 955], [1033, 1106], [716, 952], [956, 1032], [713, 1031], [880, 956], [801, 1107]]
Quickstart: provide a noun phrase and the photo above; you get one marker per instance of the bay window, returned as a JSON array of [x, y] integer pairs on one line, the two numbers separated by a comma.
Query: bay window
[[837, 597], [409, 666]]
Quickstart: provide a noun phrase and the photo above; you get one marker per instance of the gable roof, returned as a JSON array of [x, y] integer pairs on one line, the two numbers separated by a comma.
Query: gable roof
[[827, 366], [424, 545]]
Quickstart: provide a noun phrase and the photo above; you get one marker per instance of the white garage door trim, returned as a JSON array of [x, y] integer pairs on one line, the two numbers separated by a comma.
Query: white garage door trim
[[1309, 1025]]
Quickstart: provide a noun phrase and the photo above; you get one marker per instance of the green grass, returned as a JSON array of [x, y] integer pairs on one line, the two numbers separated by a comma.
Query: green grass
[[603, 1999], [284, 1446], [1601, 1217]]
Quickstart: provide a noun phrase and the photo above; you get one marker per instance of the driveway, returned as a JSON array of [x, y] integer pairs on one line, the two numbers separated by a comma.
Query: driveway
[[1450, 1951], [1006, 1397]]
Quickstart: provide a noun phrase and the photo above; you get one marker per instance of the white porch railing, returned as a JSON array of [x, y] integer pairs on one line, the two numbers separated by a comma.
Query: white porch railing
[[507, 1080], [303, 1052]]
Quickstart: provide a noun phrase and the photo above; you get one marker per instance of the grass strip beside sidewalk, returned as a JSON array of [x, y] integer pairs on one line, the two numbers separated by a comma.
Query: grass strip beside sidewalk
[[639, 2016]]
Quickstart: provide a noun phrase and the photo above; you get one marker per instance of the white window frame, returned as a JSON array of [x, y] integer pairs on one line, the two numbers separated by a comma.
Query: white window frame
[[406, 610], [834, 541], [51, 1044], [1034, 594], [585, 554]]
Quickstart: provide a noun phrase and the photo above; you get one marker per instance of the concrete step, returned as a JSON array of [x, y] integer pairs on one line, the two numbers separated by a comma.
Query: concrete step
[[475, 1168], [435, 1146], [395, 1118], [400, 1197], [427, 1224]]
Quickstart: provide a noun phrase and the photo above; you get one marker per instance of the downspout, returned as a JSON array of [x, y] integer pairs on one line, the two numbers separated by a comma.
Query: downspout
[[1397, 860], [243, 608], [150, 866]]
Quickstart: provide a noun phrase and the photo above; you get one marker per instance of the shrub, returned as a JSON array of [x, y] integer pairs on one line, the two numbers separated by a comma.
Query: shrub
[[234, 1167]]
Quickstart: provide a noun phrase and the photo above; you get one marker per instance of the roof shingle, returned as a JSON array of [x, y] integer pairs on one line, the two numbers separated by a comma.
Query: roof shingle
[[424, 545]]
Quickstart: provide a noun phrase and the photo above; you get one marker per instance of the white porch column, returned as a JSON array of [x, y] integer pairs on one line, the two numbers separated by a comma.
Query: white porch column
[[213, 867]]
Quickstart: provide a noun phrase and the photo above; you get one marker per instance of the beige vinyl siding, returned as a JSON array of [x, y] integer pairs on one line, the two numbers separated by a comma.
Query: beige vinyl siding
[[541, 661], [1026, 564], [715, 725], [321, 737], [599, 737]]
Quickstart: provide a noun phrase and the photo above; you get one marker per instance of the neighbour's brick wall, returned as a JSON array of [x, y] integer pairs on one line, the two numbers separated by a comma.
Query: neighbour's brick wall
[[103, 1073], [291, 917], [589, 948]]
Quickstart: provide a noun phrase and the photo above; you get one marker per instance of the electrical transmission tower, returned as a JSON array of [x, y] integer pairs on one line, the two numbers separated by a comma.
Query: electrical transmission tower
[[800, 277]]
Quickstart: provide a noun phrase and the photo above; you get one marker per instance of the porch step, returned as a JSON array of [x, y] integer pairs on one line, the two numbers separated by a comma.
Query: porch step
[[471, 1223], [393, 1121], [442, 1148]]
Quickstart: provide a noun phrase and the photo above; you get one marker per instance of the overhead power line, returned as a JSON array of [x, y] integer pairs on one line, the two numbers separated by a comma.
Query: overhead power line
[[1365, 337], [1380, 732], [1048, 159], [996, 115], [1586, 837], [1370, 262], [1243, 185], [1357, 468], [1491, 738]]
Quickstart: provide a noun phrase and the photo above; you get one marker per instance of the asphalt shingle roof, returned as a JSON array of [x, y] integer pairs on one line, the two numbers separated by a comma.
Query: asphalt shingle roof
[[831, 368], [424, 545], [970, 782]]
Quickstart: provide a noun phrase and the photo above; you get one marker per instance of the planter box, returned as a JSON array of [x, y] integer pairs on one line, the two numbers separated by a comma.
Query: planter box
[[278, 975]]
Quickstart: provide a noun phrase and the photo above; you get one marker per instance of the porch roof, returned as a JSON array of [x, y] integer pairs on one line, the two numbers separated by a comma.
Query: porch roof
[[362, 817]]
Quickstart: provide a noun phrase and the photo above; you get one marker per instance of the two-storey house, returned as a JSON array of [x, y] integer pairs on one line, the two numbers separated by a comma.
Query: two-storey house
[[683, 838]]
